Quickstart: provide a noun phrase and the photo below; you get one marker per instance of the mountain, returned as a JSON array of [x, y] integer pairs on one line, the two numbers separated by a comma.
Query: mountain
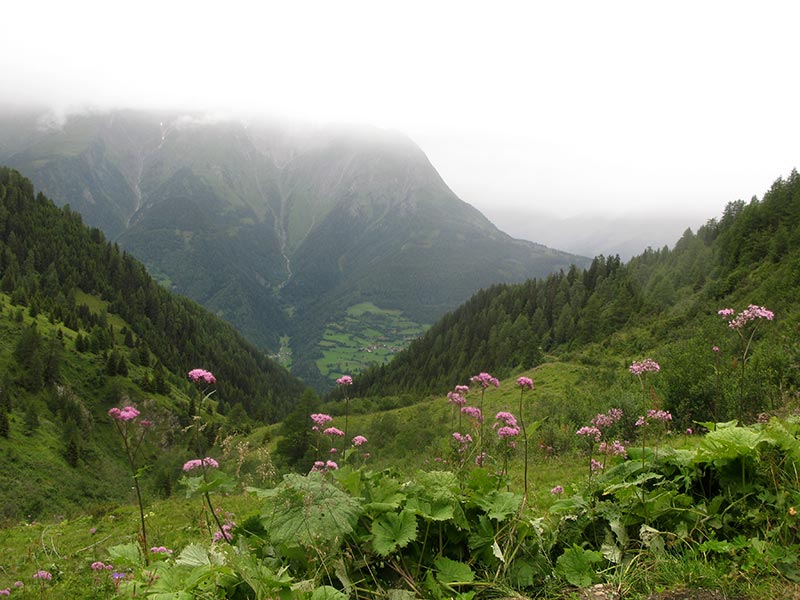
[[662, 302], [84, 328], [50, 258], [279, 230]]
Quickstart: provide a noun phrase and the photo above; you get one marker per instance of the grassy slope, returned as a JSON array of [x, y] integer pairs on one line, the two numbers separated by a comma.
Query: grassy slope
[[68, 547]]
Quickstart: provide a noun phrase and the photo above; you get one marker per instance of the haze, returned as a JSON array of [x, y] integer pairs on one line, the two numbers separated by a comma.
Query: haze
[[601, 113]]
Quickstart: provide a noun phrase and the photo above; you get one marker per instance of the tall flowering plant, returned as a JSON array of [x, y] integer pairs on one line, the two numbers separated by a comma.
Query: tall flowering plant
[[524, 383], [344, 382], [204, 380], [484, 380], [132, 432], [745, 324], [202, 477], [507, 432], [641, 368]]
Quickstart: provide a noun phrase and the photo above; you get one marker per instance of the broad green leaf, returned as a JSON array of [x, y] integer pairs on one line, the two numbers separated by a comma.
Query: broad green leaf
[[575, 565], [327, 592], [309, 511], [499, 505], [727, 444], [195, 555], [395, 594], [392, 531], [451, 571], [125, 555]]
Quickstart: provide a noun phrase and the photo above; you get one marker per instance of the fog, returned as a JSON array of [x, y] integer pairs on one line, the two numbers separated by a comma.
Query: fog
[[570, 111]]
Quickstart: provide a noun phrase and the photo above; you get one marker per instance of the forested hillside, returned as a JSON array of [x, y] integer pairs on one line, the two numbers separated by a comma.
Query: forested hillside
[[48, 257], [613, 311]]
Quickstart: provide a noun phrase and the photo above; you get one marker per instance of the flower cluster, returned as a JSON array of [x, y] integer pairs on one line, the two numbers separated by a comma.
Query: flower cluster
[[345, 380], [322, 466], [472, 411], [128, 413], [558, 490], [320, 420], [461, 389], [597, 465], [43, 575], [202, 376], [359, 440], [506, 418], [160, 550], [333, 431], [463, 441], [614, 449], [751, 313], [526, 383], [225, 534], [508, 432], [100, 566], [485, 380], [200, 462], [644, 366], [607, 419], [590, 432], [654, 415], [456, 399]]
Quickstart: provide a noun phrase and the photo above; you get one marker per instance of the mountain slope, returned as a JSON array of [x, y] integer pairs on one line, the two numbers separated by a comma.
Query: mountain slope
[[662, 302], [49, 256], [278, 231]]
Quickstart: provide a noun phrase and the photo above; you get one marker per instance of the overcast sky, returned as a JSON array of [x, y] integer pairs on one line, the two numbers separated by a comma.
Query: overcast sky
[[567, 107]]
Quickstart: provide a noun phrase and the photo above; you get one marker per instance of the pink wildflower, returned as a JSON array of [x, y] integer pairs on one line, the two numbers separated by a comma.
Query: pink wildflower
[[160, 550], [596, 465], [485, 380], [5, 592], [689, 431], [359, 440], [526, 383], [224, 534], [507, 432], [751, 313], [318, 466], [480, 459], [129, 413], [507, 418], [462, 390], [321, 419], [198, 463], [345, 380], [590, 432], [726, 312], [202, 376], [99, 566], [557, 490], [614, 449], [43, 575], [644, 366], [715, 349], [333, 431], [607, 419], [462, 439], [456, 398], [472, 411], [331, 465]]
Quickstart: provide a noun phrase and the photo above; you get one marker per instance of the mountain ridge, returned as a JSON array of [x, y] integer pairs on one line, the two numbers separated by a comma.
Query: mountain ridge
[[276, 231]]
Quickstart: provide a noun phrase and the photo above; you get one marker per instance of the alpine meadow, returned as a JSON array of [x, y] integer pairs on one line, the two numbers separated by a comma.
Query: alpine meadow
[[245, 362]]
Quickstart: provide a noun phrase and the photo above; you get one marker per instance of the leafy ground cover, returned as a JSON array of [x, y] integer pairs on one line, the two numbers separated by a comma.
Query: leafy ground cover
[[707, 516]]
